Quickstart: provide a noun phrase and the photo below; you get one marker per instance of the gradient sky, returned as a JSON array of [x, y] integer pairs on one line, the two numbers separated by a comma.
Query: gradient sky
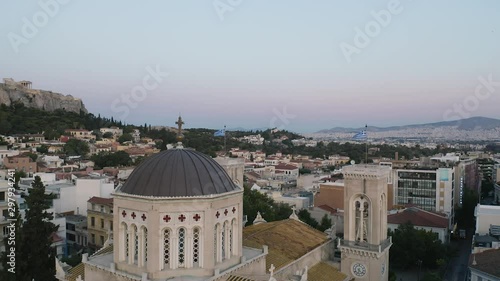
[[263, 57]]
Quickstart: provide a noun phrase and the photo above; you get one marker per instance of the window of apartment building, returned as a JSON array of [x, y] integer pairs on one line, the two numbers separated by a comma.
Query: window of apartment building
[[5, 231], [92, 238], [102, 223], [102, 209], [2, 196], [70, 226], [111, 225], [70, 237], [102, 239], [92, 221], [5, 213]]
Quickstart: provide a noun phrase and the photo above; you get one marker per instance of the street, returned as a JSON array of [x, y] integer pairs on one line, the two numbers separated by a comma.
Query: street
[[458, 266]]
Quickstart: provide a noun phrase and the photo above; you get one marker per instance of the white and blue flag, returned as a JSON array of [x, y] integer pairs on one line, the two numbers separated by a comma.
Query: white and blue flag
[[220, 133], [361, 136]]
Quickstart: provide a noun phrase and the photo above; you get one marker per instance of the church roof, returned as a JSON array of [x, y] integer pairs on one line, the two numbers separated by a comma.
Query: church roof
[[178, 173], [325, 272], [287, 240], [78, 270]]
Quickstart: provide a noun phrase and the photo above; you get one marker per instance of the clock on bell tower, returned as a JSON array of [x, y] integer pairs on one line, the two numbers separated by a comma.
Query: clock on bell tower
[[365, 247]]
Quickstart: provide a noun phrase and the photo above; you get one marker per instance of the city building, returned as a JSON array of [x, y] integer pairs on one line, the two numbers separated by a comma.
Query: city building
[[486, 217], [81, 134], [421, 219], [4, 152], [20, 163], [99, 221], [484, 266], [429, 188], [76, 232], [114, 131]]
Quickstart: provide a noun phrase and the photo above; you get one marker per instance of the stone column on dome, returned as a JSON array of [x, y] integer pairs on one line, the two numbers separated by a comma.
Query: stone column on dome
[[235, 237], [219, 240], [140, 255], [130, 233], [188, 248], [174, 247], [228, 239]]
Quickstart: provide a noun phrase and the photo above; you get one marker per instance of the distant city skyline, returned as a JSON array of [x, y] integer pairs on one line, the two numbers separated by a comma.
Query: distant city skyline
[[294, 65]]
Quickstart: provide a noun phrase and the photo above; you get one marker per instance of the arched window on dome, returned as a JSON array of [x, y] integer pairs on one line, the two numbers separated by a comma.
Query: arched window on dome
[[196, 247], [125, 241], [166, 248], [144, 246], [135, 234], [182, 247]]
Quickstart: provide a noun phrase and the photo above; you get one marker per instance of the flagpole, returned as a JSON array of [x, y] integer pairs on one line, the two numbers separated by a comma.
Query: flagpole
[[366, 144], [225, 150]]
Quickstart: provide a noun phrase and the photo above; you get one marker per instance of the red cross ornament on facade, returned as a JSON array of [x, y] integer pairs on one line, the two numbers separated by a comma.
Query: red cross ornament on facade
[[143, 217], [234, 209], [225, 212], [182, 218], [124, 214], [217, 214], [167, 218], [133, 215], [196, 217]]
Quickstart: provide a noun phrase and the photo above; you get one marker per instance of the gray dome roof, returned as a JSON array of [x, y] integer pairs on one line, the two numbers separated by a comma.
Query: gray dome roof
[[178, 173]]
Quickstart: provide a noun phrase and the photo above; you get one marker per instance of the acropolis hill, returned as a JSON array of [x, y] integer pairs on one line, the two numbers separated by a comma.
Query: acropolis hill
[[12, 92]]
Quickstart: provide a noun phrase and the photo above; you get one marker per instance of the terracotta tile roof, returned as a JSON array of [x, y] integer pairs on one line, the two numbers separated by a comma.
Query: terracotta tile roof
[[328, 209], [288, 240], [286, 167], [101, 200], [325, 272], [253, 174], [418, 217], [486, 262], [56, 238]]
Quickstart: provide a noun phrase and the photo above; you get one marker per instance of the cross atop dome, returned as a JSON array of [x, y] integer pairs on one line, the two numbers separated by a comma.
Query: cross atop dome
[[180, 136]]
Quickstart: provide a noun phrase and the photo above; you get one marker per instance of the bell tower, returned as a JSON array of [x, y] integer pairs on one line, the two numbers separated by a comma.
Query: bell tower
[[365, 247]]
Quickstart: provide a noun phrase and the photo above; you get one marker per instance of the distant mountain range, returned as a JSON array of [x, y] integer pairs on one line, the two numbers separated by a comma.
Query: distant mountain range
[[469, 124]]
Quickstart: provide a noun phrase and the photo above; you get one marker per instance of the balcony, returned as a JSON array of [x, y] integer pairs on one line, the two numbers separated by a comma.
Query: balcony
[[357, 247]]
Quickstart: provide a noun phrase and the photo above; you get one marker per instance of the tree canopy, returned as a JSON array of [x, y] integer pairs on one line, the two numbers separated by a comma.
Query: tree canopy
[[35, 257]]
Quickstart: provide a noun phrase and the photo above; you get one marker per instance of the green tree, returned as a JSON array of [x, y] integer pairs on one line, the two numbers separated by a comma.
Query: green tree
[[43, 149], [305, 216], [326, 223], [125, 137], [36, 257], [411, 245], [107, 135], [75, 147]]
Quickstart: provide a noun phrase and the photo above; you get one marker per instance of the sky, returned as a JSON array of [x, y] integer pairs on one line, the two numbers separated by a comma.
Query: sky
[[297, 65]]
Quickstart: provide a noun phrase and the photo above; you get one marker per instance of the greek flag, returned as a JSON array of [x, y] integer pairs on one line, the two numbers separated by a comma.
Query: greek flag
[[220, 133], [361, 136]]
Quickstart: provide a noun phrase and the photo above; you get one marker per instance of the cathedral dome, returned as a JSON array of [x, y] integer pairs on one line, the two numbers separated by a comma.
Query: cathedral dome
[[178, 173]]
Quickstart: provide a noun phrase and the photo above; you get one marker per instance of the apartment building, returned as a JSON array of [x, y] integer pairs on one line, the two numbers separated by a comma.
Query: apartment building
[[99, 221]]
